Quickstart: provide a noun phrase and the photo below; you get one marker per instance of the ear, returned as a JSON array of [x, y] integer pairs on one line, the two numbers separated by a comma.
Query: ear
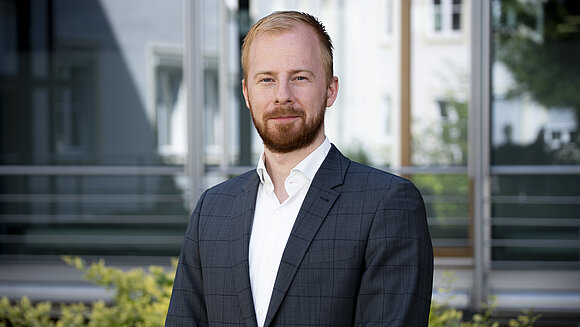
[[245, 91], [332, 91]]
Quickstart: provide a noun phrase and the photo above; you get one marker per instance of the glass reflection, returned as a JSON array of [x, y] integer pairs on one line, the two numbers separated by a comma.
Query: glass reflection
[[536, 72], [534, 123], [91, 104]]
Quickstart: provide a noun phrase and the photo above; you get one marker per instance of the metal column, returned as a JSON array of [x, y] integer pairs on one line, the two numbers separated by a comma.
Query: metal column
[[193, 77], [479, 154]]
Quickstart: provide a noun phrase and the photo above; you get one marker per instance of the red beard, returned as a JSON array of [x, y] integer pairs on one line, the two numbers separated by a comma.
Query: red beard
[[287, 137]]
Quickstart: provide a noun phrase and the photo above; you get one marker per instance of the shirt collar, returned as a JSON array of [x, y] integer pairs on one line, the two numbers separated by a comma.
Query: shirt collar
[[261, 169], [309, 166]]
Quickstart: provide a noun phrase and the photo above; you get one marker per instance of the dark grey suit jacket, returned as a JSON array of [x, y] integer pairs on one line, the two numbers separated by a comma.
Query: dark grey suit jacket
[[359, 254]]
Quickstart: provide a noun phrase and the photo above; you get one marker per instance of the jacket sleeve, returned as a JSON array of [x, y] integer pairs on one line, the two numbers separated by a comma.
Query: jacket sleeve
[[187, 304], [396, 284]]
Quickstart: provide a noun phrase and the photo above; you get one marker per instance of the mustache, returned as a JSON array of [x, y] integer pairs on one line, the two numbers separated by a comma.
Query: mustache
[[284, 111]]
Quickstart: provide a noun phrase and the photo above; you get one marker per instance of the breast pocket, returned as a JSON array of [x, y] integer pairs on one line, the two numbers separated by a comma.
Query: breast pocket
[[330, 270], [330, 253]]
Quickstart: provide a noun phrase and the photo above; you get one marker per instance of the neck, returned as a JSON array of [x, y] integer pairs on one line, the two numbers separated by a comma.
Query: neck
[[279, 165]]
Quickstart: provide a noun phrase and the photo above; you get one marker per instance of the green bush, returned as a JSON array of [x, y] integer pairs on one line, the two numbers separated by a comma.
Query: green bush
[[141, 299], [441, 315], [24, 313]]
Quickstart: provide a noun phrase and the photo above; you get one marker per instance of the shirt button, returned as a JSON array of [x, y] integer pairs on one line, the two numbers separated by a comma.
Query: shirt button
[[277, 211], [260, 312]]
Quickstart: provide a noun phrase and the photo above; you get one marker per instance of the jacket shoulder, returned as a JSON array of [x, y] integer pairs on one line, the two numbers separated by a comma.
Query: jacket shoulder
[[233, 186], [373, 177], [219, 199]]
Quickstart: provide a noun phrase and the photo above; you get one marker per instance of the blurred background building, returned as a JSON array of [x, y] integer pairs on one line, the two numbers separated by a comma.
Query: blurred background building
[[115, 115]]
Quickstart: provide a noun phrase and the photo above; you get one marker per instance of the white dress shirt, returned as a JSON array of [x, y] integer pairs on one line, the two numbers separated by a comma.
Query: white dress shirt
[[273, 223]]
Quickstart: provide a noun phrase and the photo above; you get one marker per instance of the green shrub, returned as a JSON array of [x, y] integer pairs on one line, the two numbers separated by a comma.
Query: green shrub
[[141, 299], [24, 314], [442, 315]]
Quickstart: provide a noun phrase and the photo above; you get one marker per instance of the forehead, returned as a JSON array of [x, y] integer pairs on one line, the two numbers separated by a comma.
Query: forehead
[[299, 45]]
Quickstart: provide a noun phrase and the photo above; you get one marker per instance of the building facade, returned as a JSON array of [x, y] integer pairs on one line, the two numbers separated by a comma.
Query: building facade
[[113, 123]]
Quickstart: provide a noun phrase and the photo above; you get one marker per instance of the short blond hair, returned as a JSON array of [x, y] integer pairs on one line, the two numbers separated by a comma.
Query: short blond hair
[[283, 21]]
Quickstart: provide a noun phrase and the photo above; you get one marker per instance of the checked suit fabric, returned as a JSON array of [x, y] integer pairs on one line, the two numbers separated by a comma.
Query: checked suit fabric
[[359, 254]]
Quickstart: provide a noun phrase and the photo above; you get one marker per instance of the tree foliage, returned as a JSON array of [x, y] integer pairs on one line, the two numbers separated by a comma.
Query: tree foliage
[[539, 42]]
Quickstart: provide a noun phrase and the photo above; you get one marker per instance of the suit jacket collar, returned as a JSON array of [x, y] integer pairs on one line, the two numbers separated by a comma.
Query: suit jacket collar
[[322, 194]]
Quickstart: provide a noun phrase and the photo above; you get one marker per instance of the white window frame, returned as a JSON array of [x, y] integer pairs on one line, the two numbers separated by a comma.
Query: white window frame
[[74, 136], [387, 21], [447, 9], [169, 56]]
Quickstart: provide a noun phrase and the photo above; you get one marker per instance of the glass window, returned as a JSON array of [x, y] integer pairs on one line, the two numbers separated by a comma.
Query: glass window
[[437, 16], [389, 18], [9, 41], [456, 15], [74, 105], [439, 109], [86, 125], [170, 104], [446, 16], [212, 118], [535, 146]]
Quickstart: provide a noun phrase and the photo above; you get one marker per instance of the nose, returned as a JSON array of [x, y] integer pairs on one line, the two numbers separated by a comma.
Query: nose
[[284, 93]]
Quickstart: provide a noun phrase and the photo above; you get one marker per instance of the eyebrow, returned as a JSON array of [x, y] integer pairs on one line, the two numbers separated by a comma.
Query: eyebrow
[[292, 72], [296, 71], [263, 73]]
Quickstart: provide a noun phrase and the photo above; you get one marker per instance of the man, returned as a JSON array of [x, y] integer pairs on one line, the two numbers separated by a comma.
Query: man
[[309, 238]]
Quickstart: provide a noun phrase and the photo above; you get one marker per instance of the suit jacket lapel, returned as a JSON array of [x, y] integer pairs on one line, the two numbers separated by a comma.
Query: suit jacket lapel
[[242, 216], [319, 199]]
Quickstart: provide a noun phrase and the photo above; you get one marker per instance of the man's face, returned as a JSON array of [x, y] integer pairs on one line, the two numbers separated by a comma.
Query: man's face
[[286, 89]]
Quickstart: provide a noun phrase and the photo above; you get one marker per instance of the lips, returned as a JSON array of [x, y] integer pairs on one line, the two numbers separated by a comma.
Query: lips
[[284, 118], [284, 114]]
